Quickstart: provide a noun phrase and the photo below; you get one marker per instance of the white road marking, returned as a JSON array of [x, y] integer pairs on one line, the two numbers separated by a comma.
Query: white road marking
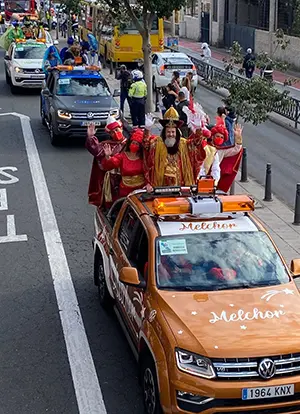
[[86, 384], [3, 199], [11, 178], [12, 235]]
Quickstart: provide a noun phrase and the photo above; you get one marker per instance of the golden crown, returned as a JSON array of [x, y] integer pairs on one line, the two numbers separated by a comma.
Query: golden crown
[[171, 114]]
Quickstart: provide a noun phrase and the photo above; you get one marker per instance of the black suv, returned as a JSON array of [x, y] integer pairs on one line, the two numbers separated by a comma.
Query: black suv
[[72, 98]]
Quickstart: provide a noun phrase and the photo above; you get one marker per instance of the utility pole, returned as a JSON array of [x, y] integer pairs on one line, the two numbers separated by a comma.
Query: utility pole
[[173, 31]]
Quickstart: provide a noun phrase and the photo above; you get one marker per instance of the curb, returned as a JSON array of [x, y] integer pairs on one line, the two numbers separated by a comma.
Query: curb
[[272, 118]]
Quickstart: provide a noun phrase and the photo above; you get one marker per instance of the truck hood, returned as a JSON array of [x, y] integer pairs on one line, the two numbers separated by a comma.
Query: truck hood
[[86, 103], [236, 323], [29, 64]]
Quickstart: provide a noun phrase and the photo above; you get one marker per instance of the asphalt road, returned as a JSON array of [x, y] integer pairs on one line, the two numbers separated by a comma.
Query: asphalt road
[[35, 370]]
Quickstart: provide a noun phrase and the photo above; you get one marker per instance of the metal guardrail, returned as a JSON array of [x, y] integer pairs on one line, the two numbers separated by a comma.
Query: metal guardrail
[[207, 71]]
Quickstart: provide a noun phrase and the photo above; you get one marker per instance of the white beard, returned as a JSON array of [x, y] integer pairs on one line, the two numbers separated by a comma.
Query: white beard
[[170, 142]]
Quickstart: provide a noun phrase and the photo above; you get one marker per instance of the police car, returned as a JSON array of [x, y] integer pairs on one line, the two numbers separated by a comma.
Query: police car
[[72, 98], [23, 64]]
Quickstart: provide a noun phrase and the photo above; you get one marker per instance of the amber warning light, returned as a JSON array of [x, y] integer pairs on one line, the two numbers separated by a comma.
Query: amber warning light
[[202, 205]]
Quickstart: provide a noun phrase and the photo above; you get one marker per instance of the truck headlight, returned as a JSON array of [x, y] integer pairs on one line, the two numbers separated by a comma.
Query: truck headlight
[[18, 69], [63, 114], [115, 113], [194, 364]]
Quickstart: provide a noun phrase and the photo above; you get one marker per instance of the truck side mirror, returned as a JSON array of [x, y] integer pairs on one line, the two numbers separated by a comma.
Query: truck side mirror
[[129, 276], [116, 93], [295, 267]]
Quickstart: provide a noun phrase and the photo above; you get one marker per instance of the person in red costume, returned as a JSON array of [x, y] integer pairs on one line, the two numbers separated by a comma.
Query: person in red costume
[[103, 187], [130, 163], [229, 157]]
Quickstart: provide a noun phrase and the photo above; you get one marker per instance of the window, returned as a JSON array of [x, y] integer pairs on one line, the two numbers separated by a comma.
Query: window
[[154, 59], [114, 211], [218, 261], [215, 10], [25, 51], [85, 86], [127, 228], [133, 239]]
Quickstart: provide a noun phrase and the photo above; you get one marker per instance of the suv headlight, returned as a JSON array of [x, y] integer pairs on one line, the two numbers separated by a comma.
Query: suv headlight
[[64, 114], [194, 364], [115, 113], [18, 69]]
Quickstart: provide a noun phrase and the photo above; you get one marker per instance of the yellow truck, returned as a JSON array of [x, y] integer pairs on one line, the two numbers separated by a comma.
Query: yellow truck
[[120, 45]]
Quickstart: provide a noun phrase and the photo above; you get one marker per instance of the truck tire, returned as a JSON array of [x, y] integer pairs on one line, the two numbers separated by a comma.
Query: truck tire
[[14, 89], [104, 296], [43, 118], [54, 138], [150, 386], [7, 78]]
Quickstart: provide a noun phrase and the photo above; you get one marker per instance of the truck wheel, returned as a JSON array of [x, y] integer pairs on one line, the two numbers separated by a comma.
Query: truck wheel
[[150, 386], [7, 78], [104, 297], [54, 138], [43, 118], [14, 89]]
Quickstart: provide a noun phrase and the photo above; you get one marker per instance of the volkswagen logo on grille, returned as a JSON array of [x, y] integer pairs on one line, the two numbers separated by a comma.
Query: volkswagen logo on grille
[[37, 71], [90, 115], [267, 368]]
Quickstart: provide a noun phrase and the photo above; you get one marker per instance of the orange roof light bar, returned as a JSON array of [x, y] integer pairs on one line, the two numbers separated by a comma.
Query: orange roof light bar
[[171, 206], [236, 203]]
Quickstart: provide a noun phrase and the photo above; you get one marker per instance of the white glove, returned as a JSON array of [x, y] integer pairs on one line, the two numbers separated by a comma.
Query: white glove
[[149, 121]]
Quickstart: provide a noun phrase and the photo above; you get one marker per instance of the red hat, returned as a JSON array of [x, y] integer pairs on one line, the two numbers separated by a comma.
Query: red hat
[[112, 124], [137, 135], [220, 129]]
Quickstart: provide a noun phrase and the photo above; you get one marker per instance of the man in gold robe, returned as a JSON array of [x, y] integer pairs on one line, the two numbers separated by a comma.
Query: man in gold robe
[[167, 160]]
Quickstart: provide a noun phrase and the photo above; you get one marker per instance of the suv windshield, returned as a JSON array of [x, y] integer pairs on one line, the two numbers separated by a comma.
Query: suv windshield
[[29, 51], [218, 261], [82, 87], [17, 6]]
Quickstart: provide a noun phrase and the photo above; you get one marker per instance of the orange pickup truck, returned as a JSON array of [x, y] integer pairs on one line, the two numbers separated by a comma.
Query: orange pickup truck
[[207, 303]]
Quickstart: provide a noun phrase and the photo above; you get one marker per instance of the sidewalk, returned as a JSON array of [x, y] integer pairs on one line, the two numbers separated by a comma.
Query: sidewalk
[[193, 48]]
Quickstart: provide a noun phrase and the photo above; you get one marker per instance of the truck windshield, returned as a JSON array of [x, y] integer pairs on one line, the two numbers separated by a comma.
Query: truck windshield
[[82, 87], [20, 6], [218, 261], [24, 51]]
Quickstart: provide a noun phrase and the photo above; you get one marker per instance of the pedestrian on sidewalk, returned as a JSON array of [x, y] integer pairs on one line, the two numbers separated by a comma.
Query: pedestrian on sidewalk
[[249, 63], [176, 81], [124, 77], [169, 97], [206, 53], [182, 102], [138, 94]]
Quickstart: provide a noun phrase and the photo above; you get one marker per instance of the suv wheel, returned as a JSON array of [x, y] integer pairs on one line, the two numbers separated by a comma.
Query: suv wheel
[[54, 138], [150, 387], [7, 78], [43, 118], [104, 297], [14, 89]]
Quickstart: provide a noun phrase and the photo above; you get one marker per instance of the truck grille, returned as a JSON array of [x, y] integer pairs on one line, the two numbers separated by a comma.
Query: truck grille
[[241, 368], [96, 115]]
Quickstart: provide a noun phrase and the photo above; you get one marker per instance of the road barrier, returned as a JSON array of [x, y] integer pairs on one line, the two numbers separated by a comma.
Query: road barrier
[[209, 73], [297, 206], [244, 167], [268, 184]]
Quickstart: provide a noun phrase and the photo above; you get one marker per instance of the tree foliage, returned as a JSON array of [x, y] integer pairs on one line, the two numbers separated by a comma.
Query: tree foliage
[[253, 98]]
